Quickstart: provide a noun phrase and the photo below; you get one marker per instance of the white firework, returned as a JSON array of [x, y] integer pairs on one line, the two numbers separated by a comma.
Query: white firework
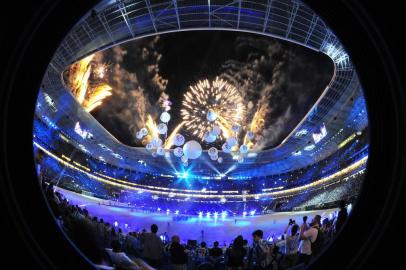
[[217, 97]]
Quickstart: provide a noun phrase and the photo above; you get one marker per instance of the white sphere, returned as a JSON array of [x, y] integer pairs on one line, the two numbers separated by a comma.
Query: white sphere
[[232, 141], [220, 160], [156, 142], [208, 137], [250, 135], [160, 151], [144, 132], [184, 159], [165, 117], [214, 157], [235, 128], [211, 116], [212, 151], [178, 151], [149, 146], [138, 135], [162, 128], [192, 149], [216, 130], [243, 149], [226, 148], [178, 140]]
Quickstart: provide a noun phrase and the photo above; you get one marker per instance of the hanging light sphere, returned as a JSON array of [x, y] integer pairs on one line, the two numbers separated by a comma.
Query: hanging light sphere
[[178, 140], [192, 149], [138, 135], [165, 117], [214, 157], [144, 132], [211, 116], [235, 128], [149, 146], [178, 151], [220, 160], [156, 142], [232, 141], [160, 151], [226, 148], [162, 128], [212, 151], [243, 149], [250, 135], [209, 137]]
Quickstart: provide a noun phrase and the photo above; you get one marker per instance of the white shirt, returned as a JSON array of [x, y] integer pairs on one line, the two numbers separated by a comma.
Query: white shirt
[[119, 258], [305, 246]]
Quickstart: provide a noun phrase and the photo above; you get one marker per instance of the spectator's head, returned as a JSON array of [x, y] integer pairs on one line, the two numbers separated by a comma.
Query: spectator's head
[[203, 244], [154, 228], [238, 242], [175, 239], [116, 246], [316, 220], [40, 155], [216, 244], [257, 235], [245, 242], [294, 230]]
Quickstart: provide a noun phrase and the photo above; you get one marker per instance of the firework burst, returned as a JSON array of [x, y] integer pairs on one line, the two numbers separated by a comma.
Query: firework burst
[[89, 92], [217, 96]]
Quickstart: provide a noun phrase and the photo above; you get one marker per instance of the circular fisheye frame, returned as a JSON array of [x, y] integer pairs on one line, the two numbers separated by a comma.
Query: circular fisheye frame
[[166, 146]]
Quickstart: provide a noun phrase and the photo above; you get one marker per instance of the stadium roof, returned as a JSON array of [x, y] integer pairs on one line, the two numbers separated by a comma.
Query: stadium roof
[[340, 109]]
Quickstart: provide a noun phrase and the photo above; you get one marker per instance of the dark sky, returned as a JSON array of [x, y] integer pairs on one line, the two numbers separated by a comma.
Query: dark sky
[[287, 77]]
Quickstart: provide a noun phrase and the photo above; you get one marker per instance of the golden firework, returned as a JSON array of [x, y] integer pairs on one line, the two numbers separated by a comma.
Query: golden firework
[[90, 94], [218, 96]]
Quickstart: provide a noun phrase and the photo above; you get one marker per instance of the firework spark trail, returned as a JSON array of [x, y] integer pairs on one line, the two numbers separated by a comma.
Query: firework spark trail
[[169, 141], [86, 92], [96, 96], [218, 96]]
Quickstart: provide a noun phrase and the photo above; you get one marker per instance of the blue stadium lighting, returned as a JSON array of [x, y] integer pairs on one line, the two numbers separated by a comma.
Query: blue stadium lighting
[[159, 209], [223, 214], [252, 212], [115, 223], [309, 147], [208, 214], [216, 215], [301, 133], [200, 214], [297, 153], [244, 213], [177, 212]]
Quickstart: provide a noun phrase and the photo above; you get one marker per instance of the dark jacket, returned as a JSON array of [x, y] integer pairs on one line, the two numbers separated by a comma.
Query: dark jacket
[[178, 254]]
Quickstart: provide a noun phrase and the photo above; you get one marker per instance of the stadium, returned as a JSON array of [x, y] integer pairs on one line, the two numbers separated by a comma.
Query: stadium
[[211, 175]]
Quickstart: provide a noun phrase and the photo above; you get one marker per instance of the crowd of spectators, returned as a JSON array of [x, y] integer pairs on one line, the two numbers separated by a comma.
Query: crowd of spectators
[[109, 248]]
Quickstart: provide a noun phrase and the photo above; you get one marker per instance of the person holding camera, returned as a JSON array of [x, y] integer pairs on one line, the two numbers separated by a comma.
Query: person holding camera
[[292, 243], [308, 237]]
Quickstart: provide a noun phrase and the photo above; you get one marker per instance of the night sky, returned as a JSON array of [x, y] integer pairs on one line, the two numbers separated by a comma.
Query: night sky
[[287, 77]]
